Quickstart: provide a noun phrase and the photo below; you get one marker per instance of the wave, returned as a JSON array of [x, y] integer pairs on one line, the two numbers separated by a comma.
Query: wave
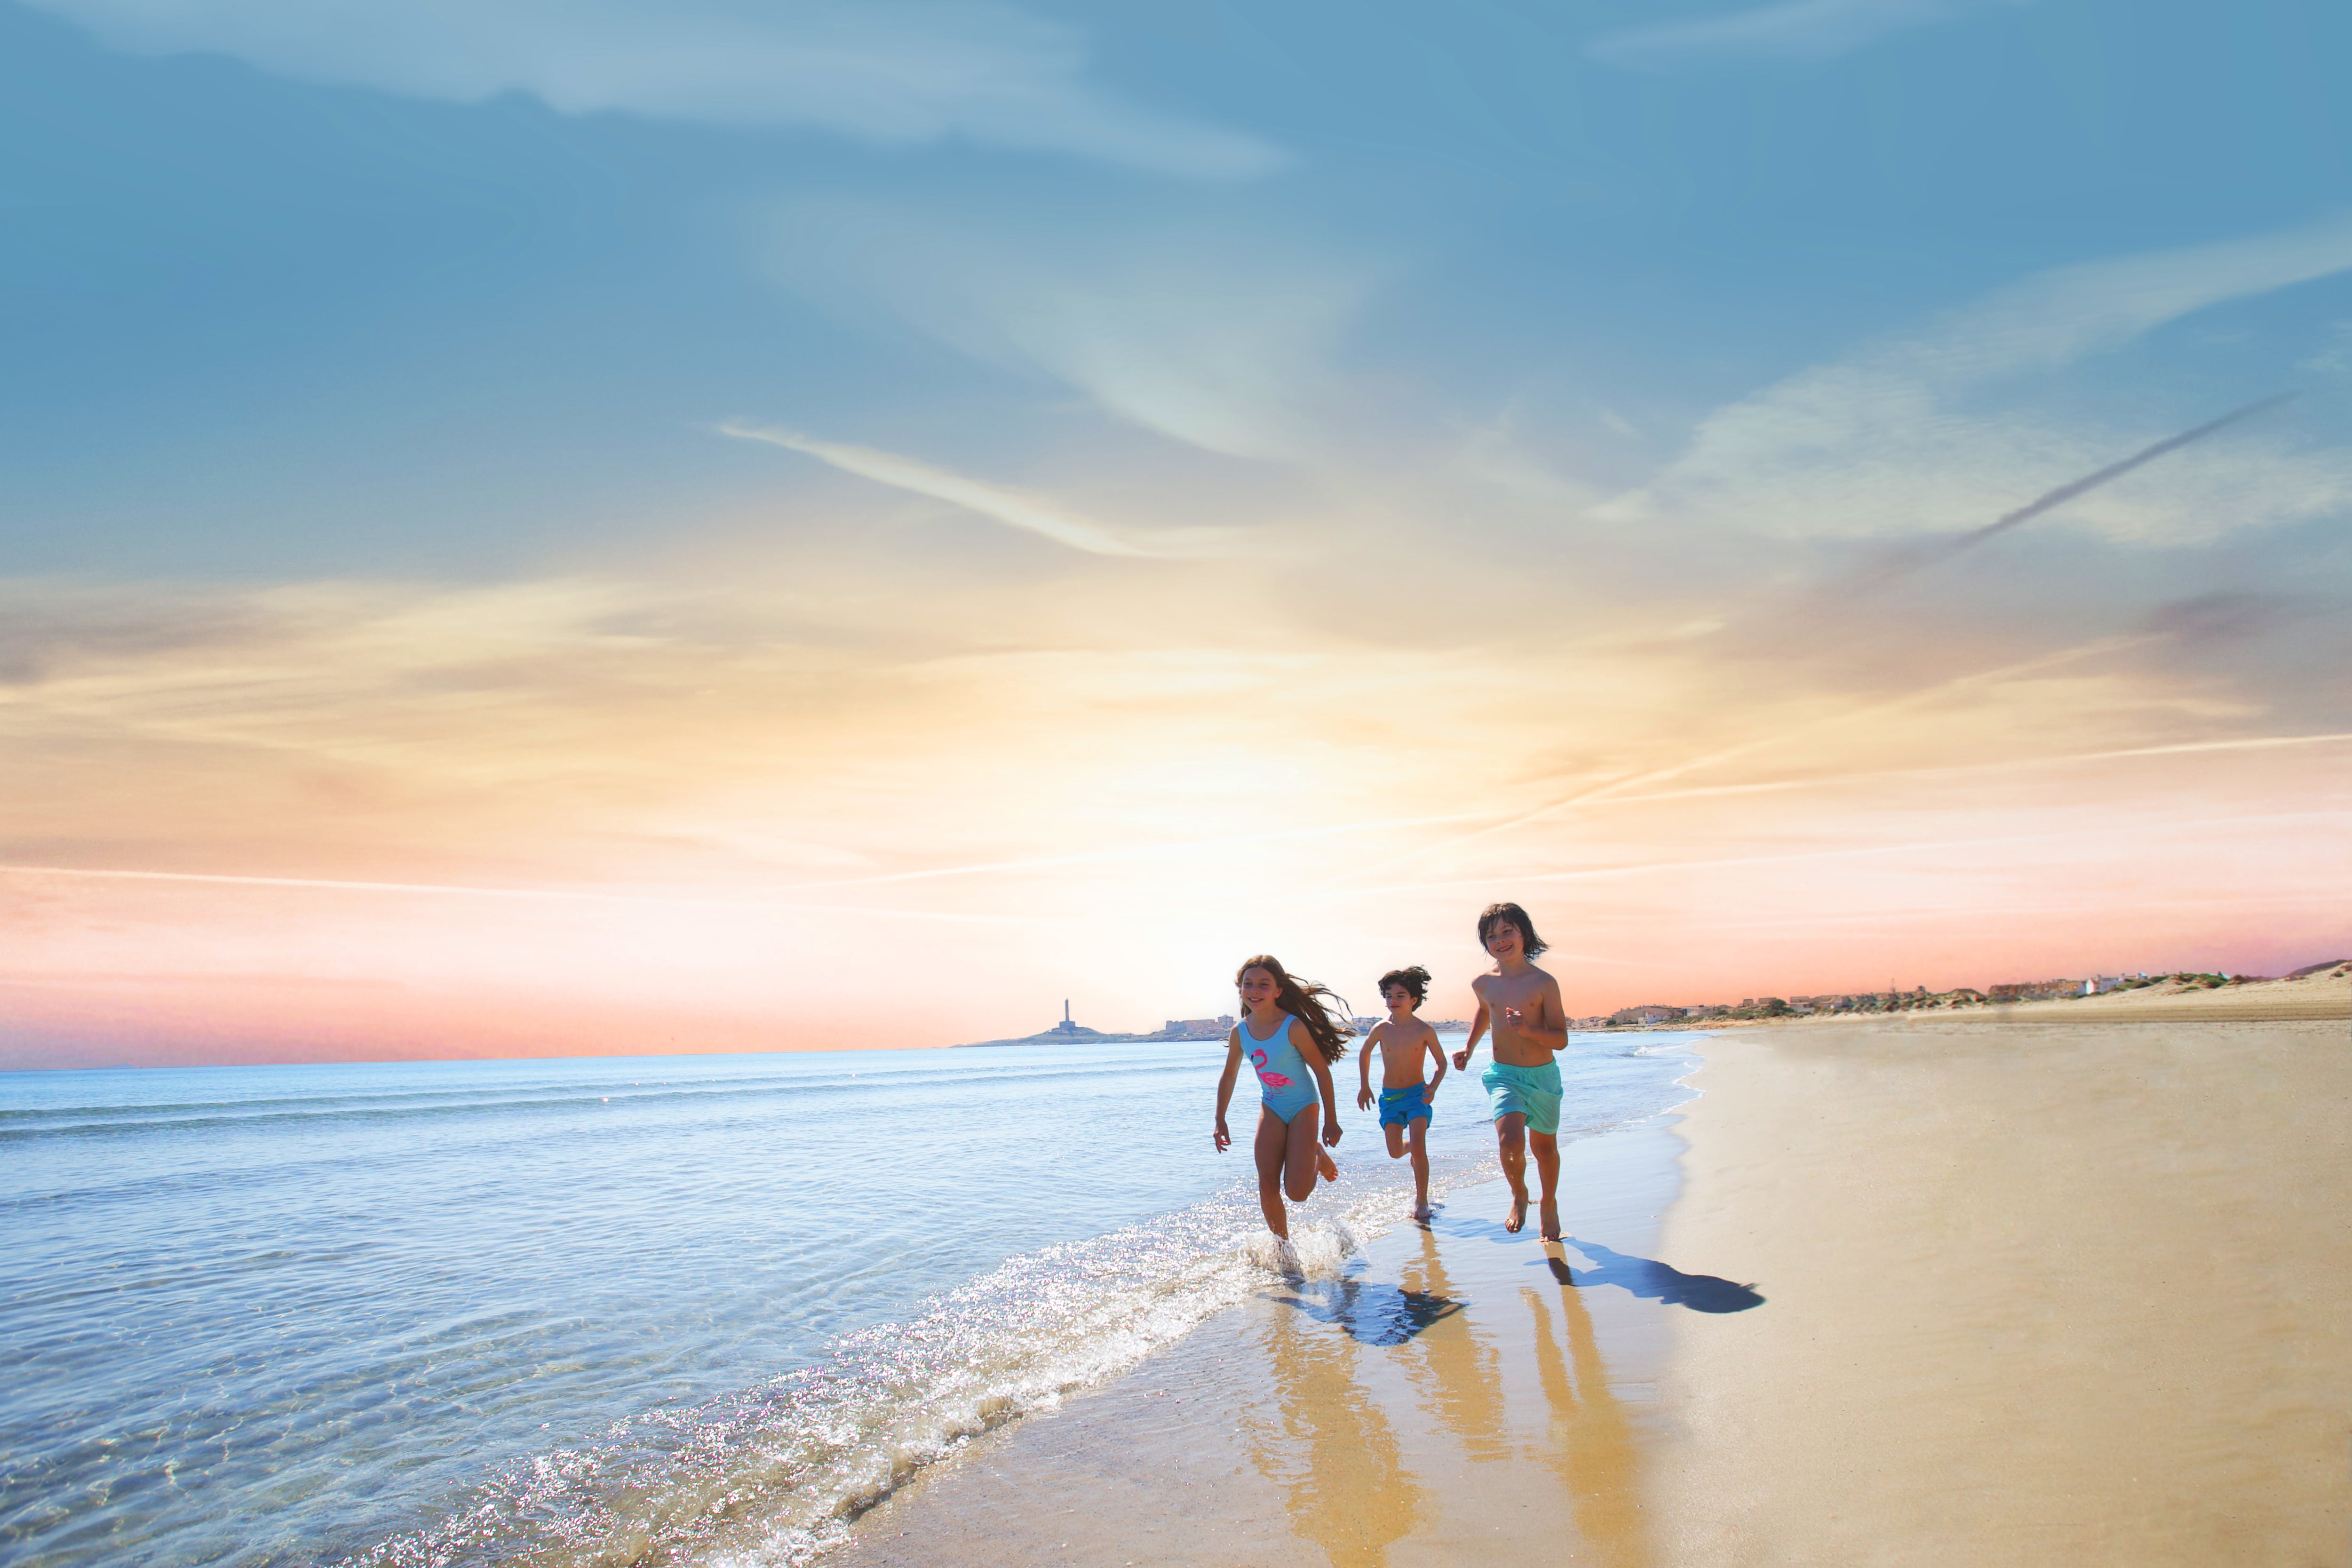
[[772, 1475]]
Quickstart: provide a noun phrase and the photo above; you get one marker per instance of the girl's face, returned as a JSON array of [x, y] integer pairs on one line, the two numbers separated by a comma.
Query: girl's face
[[1257, 988], [1398, 999], [1503, 941]]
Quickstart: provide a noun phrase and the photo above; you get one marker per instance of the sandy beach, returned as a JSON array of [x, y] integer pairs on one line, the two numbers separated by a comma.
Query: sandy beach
[[1908, 1292]]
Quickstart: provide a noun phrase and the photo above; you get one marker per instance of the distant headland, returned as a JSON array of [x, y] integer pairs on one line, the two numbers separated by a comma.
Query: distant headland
[[1069, 1033]]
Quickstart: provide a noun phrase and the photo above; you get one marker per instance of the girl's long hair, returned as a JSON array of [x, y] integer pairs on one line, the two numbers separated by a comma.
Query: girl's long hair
[[1323, 1010]]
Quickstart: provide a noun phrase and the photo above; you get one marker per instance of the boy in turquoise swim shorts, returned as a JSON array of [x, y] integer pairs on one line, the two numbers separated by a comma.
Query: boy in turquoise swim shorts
[[1405, 1043], [1521, 1004]]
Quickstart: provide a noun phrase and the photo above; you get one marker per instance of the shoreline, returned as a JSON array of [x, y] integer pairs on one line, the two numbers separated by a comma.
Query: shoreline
[[1443, 1396], [1893, 1290]]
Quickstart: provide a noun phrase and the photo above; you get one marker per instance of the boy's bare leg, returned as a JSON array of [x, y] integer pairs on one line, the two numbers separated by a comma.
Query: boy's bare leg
[[1419, 1125], [1273, 1143], [1545, 1148], [1305, 1155], [1511, 1140], [1396, 1140]]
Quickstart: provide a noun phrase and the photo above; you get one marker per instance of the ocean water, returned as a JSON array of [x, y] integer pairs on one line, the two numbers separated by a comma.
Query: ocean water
[[618, 1311]]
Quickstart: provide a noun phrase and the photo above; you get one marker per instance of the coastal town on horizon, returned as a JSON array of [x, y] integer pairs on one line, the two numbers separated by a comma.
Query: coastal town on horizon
[[1749, 1009]]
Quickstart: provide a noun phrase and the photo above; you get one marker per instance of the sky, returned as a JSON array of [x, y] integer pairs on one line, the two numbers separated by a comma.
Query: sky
[[765, 524]]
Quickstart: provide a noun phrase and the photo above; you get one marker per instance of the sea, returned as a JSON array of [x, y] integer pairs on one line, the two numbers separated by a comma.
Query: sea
[[614, 1310]]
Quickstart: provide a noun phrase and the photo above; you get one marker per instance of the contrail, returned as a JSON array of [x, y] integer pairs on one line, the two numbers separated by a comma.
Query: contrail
[[1937, 555], [1599, 792], [2015, 764], [460, 890], [1135, 852], [1651, 867], [1966, 541]]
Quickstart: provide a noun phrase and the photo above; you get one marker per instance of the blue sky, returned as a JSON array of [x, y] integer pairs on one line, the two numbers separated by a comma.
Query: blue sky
[[338, 303], [941, 460]]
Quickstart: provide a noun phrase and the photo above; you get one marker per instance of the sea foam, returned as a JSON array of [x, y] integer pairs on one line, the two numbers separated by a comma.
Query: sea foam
[[770, 1476]]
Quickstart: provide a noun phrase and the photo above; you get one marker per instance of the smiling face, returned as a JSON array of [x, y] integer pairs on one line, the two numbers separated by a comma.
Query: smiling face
[[1257, 989], [1398, 999], [1504, 940]]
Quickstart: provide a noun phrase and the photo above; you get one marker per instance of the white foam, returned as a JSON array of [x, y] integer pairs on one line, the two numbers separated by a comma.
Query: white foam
[[769, 1477]]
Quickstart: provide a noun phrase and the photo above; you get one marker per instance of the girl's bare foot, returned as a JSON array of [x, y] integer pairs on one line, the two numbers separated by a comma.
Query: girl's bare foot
[[1551, 1216], [1325, 1163], [1518, 1221]]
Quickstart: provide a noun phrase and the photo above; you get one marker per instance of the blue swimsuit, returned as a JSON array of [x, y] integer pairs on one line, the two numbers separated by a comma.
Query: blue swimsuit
[[1282, 1073]]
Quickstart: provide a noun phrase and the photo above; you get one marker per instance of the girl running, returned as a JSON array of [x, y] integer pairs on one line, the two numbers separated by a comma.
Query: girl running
[[1287, 1032], [1406, 1045]]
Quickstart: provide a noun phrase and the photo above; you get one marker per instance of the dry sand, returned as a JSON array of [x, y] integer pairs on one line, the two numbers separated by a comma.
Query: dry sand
[[2064, 1292]]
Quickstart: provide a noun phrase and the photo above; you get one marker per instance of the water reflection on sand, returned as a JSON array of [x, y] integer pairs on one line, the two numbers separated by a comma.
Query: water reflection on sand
[[1457, 1392]]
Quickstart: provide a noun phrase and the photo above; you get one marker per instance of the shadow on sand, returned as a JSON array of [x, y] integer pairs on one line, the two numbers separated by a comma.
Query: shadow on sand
[[1374, 1314], [1657, 1281]]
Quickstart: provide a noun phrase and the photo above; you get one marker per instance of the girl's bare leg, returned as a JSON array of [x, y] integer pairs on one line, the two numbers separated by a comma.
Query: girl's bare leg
[[1419, 1125], [1304, 1154], [1273, 1145]]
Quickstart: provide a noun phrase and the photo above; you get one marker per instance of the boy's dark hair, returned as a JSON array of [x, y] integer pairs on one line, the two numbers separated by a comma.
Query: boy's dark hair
[[1414, 980], [1530, 942]]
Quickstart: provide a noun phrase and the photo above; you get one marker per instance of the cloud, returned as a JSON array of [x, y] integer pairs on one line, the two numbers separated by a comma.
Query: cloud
[[1794, 30], [1013, 508], [1936, 429], [1218, 339], [895, 72]]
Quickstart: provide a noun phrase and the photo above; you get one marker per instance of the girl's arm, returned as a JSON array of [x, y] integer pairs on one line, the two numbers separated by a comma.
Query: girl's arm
[[1478, 1029], [1224, 1140], [1435, 1048], [1312, 1055], [1364, 1069]]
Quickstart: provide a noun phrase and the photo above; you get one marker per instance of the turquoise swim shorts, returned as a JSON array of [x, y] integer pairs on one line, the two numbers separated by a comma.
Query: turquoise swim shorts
[[1531, 1092]]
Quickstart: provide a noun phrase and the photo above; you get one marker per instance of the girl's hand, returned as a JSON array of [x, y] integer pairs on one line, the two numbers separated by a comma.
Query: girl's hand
[[1224, 1140], [1364, 1098], [1331, 1131]]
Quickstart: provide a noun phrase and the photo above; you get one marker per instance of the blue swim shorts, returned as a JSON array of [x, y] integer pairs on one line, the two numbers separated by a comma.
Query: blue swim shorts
[[1400, 1106], [1532, 1092]]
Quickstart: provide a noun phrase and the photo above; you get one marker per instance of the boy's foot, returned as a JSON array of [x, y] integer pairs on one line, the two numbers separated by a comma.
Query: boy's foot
[[1421, 1210], [1517, 1220], [1329, 1166], [1551, 1216]]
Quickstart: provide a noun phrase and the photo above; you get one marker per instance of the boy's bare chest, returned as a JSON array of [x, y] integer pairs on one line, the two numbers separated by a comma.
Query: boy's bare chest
[[1501, 992]]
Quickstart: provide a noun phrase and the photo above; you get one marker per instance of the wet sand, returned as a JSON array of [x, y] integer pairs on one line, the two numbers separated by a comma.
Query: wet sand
[[2050, 1293], [1448, 1398]]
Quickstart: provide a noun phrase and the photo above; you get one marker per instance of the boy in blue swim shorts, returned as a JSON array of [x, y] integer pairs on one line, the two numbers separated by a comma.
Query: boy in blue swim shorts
[[1521, 1004], [1405, 1042]]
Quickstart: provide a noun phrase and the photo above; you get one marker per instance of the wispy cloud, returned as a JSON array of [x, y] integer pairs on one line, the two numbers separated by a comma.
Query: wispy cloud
[[897, 72], [1014, 509], [1794, 30], [1935, 429], [1214, 334]]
